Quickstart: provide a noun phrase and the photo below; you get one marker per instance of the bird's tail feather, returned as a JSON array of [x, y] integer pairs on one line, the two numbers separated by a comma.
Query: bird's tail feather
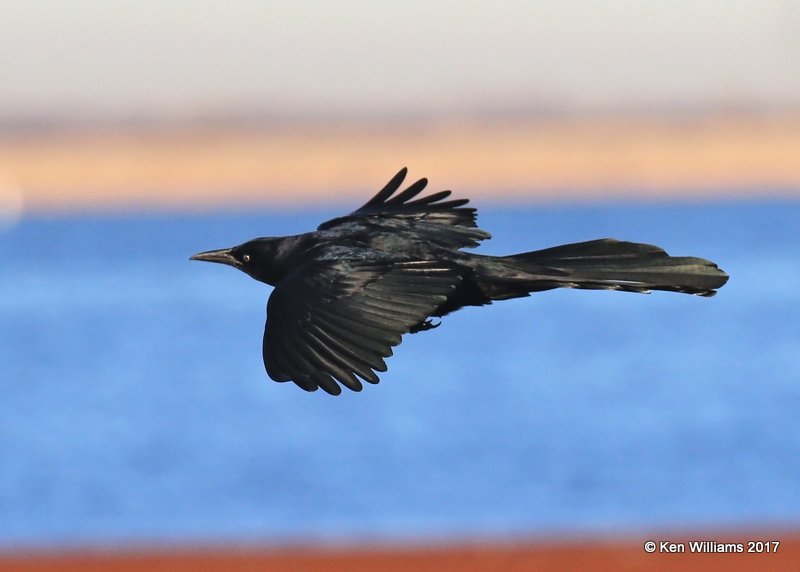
[[609, 264]]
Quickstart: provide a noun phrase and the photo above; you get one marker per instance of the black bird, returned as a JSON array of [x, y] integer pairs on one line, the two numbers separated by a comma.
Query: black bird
[[345, 294]]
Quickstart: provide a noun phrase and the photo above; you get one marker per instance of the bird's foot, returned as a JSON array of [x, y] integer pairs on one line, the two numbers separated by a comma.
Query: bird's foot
[[426, 325]]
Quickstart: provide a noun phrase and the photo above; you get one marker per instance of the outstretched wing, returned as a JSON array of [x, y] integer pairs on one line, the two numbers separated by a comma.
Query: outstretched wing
[[332, 321], [430, 218]]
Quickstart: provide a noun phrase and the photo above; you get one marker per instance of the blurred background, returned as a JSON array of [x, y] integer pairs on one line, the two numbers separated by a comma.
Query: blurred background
[[135, 410]]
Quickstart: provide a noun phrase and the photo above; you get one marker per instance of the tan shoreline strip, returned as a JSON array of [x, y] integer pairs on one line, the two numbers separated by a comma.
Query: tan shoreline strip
[[600, 555], [544, 159]]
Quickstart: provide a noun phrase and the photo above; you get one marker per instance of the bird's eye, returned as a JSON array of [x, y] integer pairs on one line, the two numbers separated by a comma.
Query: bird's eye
[[246, 258]]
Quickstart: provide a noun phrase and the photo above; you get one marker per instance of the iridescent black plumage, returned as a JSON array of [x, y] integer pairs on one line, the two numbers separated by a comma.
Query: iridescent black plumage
[[346, 293]]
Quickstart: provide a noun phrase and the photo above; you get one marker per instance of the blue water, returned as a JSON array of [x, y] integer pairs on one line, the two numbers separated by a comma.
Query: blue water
[[134, 406]]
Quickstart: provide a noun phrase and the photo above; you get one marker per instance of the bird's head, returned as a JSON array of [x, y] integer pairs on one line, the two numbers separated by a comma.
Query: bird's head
[[258, 258]]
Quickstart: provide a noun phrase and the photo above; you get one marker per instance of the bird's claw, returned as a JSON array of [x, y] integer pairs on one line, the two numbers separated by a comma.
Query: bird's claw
[[426, 325]]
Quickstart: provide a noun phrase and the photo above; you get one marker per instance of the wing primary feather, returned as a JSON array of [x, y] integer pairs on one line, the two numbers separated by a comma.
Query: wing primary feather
[[371, 360], [326, 382], [380, 348], [455, 203], [338, 353], [378, 331], [321, 380], [305, 384], [411, 192], [432, 198], [307, 368], [304, 371], [390, 188], [335, 363], [274, 351], [329, 366]]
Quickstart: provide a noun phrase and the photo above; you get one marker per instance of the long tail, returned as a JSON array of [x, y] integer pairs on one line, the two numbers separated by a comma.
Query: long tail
[[609, 264]]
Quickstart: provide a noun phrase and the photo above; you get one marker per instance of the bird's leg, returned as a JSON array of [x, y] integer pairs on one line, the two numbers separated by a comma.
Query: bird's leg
[[424, 325]]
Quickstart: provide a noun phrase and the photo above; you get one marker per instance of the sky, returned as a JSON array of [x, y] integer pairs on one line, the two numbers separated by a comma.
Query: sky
[[358, 56]]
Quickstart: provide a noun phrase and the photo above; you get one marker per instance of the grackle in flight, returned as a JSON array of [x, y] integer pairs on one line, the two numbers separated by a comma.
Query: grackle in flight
[[346, 293]]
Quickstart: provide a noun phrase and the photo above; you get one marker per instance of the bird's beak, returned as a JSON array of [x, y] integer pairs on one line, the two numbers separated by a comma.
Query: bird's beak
[[221, 256]]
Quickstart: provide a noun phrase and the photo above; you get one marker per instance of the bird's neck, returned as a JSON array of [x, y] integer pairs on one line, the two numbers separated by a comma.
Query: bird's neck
[[286, 254]]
